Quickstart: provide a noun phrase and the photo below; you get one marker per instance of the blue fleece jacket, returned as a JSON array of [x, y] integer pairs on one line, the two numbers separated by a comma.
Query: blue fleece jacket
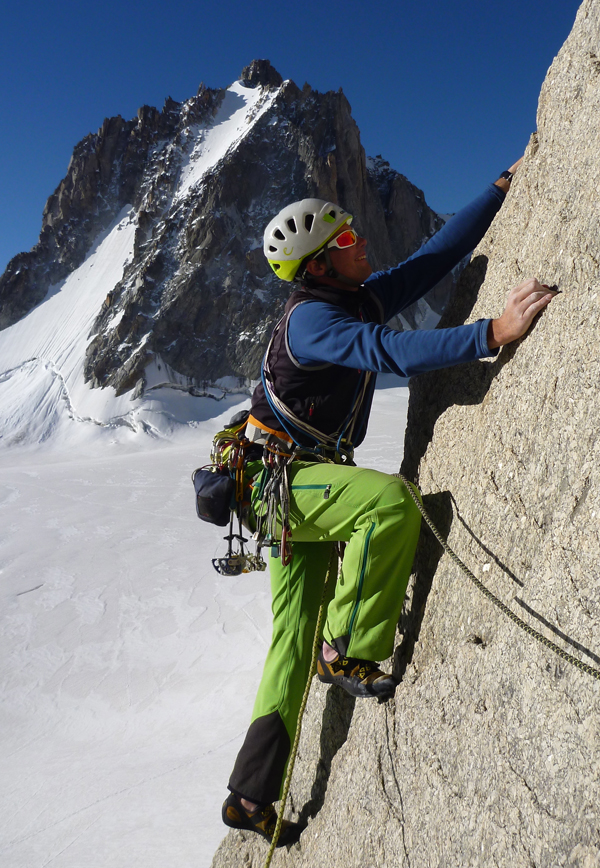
[[322, 332]]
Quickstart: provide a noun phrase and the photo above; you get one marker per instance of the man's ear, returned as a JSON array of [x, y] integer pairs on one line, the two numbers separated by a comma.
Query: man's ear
[[316, 268]]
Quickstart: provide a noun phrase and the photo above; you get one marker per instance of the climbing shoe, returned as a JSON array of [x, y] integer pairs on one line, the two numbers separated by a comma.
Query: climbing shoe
[[263, 821], [357, 677]]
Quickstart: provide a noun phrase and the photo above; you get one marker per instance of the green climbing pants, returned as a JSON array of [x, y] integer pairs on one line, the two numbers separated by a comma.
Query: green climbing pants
[[375, 516]]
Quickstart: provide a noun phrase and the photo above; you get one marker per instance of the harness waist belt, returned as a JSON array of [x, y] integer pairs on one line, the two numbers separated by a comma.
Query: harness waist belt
[[256, 432]]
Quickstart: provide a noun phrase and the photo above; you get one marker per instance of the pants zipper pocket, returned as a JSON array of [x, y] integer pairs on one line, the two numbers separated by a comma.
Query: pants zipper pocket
[[326, 489]]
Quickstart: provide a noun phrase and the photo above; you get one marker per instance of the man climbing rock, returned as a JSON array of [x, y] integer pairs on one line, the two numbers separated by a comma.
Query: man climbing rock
[[314, 400]]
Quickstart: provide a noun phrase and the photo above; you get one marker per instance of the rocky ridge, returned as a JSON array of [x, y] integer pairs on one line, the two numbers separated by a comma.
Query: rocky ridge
[[489, 755], [198, 300]]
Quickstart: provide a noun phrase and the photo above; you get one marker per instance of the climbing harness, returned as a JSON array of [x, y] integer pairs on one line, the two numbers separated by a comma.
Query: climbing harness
[[564, 655]]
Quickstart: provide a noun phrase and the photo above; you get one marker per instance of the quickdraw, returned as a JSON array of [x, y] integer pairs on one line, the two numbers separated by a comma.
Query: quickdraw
[[237, 562], [272, 507]]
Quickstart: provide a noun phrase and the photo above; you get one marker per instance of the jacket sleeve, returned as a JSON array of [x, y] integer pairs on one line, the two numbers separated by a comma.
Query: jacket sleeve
[[409, 281], [319, 332]]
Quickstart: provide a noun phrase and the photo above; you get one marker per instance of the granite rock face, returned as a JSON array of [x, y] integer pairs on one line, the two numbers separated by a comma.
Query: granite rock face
[[198, 298], [490, 753]]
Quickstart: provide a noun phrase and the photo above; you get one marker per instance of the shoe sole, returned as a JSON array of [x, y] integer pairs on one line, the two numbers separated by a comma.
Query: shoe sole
[[358, 689], [290, 833]]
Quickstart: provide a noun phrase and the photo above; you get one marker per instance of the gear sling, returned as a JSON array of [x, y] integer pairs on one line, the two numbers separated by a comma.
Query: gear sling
[[328, 500]]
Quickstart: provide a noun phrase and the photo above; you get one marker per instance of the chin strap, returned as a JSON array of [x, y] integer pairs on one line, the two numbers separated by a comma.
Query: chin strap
[[333, 273]]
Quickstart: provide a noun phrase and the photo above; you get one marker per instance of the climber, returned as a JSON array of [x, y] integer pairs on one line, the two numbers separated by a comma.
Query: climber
[[316, 393]]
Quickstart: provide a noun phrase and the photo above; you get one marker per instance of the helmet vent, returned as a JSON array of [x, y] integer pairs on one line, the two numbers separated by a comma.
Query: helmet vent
[[299, 233]]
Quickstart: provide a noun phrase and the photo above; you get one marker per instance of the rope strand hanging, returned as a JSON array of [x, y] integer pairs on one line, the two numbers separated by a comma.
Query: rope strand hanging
[[331, 574], [564, 655]]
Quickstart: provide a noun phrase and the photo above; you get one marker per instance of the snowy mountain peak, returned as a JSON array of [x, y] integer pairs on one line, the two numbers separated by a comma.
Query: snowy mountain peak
[[148, 285]]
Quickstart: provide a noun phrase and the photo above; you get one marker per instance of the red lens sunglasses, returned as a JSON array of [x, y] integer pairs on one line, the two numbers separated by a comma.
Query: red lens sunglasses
[[345, 239]]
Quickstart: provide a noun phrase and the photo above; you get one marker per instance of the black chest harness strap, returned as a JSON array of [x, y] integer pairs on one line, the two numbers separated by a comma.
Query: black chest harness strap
[[337, 446]]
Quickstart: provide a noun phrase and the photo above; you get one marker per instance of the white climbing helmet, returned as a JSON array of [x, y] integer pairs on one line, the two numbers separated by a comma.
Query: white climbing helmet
[[298, 230]]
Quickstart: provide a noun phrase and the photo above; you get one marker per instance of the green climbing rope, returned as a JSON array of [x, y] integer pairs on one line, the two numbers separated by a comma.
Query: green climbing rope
[[564, 655], [331, 572]]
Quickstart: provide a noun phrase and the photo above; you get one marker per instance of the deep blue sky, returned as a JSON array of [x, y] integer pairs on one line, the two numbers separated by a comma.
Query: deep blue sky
[[447, 93]]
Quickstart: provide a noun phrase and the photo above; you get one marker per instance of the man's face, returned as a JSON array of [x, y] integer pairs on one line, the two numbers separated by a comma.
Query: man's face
[[352, 262]]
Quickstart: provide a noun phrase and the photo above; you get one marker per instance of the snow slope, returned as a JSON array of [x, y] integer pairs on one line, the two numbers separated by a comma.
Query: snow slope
[[128, 665], [124, 689], [241, 107], [42, 389]]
